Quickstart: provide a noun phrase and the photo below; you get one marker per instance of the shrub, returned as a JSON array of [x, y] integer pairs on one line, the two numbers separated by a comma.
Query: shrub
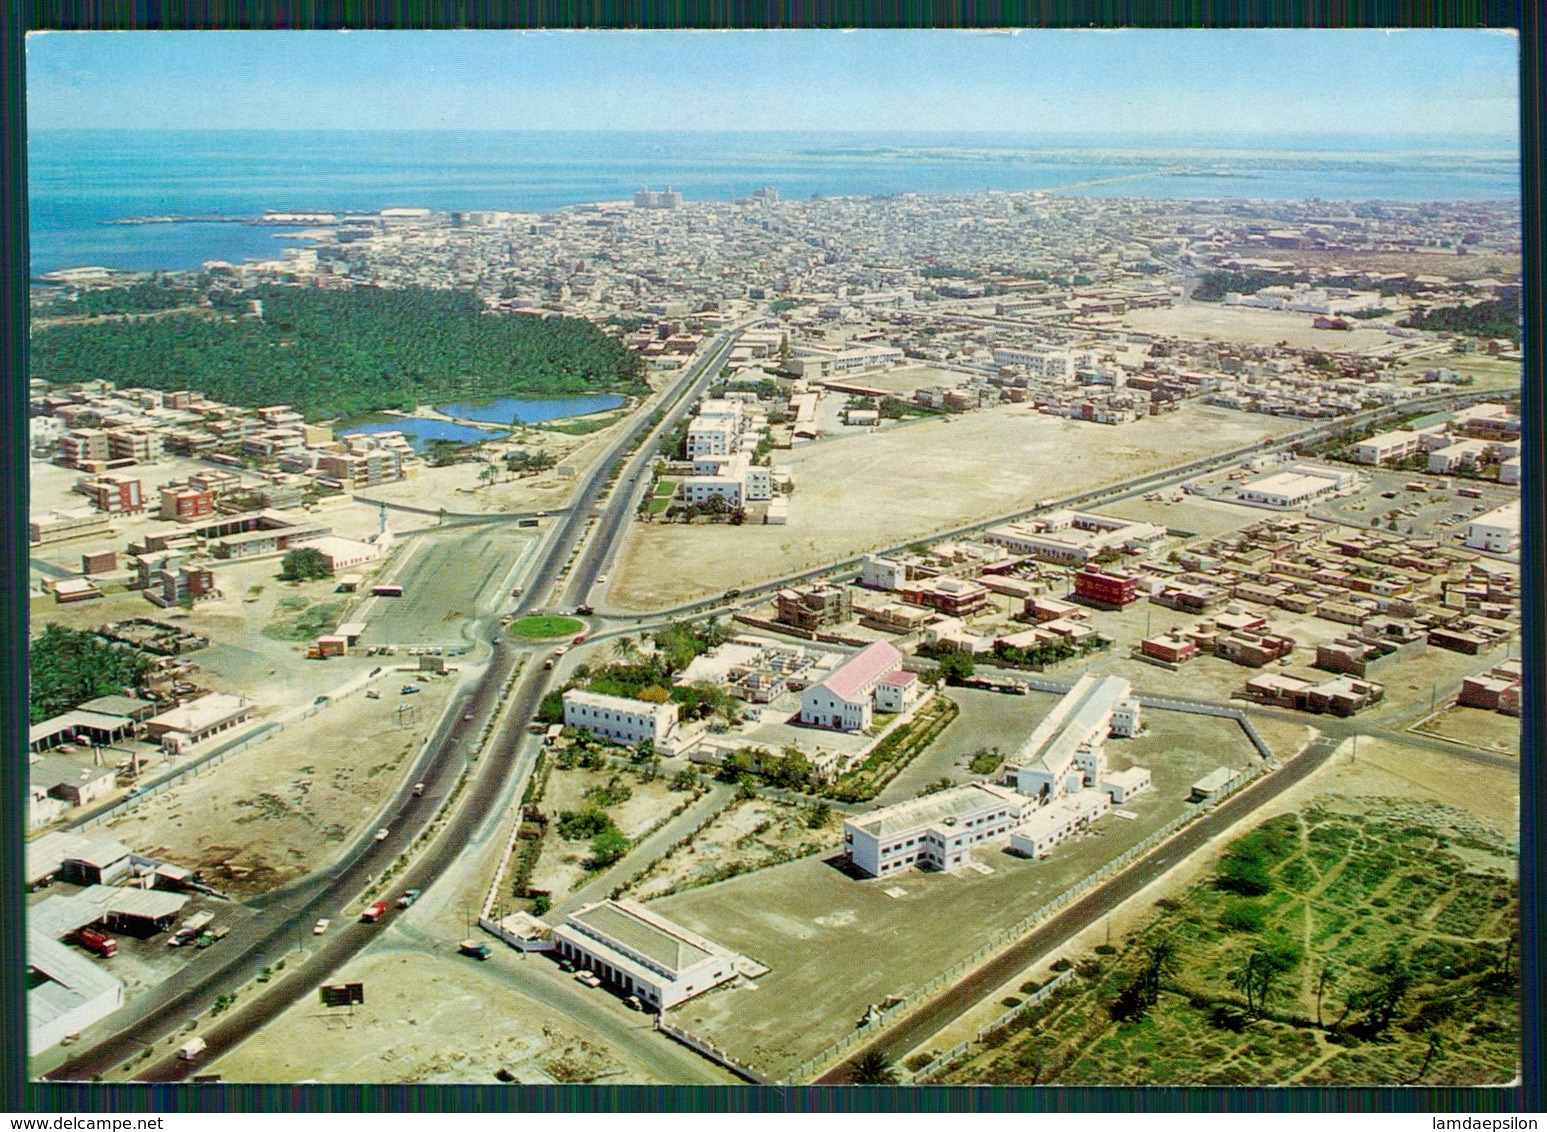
[[1243, 916]]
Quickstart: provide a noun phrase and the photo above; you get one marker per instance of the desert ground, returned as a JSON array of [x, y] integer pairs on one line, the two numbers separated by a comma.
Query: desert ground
[[859, 494]]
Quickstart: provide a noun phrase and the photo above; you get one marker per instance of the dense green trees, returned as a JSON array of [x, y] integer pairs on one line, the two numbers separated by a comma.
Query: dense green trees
[[1215, 285], [345, 353], [304, 564], [1497, 318], [69, 667], [137, 298]]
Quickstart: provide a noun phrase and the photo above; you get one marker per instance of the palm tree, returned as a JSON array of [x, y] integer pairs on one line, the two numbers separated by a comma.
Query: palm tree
[[872, 1068], [486, 474], [626, 649]]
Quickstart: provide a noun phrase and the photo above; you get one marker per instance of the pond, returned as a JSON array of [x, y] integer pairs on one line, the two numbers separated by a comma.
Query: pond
[[506, 409], [421, 430]]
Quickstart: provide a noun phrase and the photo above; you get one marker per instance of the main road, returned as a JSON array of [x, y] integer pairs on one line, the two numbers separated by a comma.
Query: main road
[[286, 916]]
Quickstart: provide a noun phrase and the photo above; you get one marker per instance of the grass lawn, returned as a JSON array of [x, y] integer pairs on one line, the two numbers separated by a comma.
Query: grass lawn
[[546, 628], [583, 426]]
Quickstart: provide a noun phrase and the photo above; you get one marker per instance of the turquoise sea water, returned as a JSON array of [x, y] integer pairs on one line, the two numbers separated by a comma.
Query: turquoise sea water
[[80, 178]]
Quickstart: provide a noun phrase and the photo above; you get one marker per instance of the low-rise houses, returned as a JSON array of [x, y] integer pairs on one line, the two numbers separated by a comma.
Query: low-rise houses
[[183, 728]]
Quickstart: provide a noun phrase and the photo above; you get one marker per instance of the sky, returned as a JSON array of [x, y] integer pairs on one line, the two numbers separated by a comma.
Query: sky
[[1446, 82]]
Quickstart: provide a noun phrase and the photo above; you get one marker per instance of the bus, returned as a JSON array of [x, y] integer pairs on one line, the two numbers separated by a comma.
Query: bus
[[387, 591]]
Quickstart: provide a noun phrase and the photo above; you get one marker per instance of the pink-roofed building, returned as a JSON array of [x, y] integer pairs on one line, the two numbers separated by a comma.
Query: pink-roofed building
[[843, 701], [898, 691]]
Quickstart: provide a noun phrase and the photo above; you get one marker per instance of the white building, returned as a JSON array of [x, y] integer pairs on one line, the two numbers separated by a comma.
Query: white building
[[1395, 445], [1301, 484], [1066, 752], [626, 721], [898, 691], [66, 993], [879, 573], [935, 831], [185, 727], [644, 953], [1074, 537], [1497, 531], [843, 701], [716, 429], [1058, 820], [733, 478], [1046, 362], [341, 553]]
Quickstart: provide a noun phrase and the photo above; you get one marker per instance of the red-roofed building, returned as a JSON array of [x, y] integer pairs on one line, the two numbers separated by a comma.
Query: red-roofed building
[[898, 691], [843, 701]]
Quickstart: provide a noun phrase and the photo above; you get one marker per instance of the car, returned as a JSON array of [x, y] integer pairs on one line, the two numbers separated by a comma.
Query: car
[[383, 833], [409, 689], [418, 789], [408, 898], [601, 579], [587, 978], [321, 926], [583, 611], [633, 1003], [373, 694], [566, 965], [467, 715], [578, 640]]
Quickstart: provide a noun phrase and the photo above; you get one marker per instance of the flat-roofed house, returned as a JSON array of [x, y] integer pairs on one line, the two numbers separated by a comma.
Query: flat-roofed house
[[185, 727]]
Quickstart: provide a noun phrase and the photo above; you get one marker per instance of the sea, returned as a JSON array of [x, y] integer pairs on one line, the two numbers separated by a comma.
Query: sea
[[82, 180]]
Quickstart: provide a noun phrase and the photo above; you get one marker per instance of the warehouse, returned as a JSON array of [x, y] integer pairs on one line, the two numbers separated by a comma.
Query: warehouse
[[183, 728], [643, 953], [66, 992]]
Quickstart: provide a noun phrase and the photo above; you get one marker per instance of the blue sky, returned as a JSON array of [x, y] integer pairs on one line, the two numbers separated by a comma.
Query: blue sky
[[1437, 82]]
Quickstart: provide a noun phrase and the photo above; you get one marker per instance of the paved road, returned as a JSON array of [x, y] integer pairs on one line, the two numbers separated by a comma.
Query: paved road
[[243, 953], [897, 1041], [645, 854]]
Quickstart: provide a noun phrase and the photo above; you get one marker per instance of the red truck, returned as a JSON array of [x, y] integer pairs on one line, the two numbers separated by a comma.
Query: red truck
[[97, 943], [374, 912]]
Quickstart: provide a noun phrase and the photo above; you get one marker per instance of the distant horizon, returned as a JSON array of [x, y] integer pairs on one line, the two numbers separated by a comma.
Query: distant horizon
[[1428, 82]]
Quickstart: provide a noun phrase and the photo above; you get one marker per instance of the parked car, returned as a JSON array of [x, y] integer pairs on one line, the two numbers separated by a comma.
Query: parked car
[[321, 926], [587, 978], [410, 689], [408, 898]]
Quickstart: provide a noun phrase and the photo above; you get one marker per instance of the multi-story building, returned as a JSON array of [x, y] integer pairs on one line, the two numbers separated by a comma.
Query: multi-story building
[[1106, 588], [955, 597], [57, 526], [815, 607], [934, 831], [138, 445], [184, 503], [1067, 750], [623, 720], [114, 494], [84, 448], [843, 701], [1046, 826], [716, 429], [1497, 531]]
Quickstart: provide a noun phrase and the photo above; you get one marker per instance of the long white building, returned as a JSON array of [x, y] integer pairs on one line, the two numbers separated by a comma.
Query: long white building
[[626, 721], [1073, 537], [935, 831], [644, 953], [1047, 826], [1066, 752]]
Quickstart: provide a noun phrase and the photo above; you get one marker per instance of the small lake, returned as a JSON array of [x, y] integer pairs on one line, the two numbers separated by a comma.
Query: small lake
[[421, 430], [506, 409]]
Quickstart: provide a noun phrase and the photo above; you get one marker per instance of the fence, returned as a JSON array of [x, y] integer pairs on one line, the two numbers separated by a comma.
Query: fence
[[714, 1053], [940, 1061], [215, 757], [1003, 938]]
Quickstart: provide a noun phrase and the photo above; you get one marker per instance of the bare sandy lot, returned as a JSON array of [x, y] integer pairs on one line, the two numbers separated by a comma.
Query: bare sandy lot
[[1254, 325], [285, 806], [746, 836], [864, 493], [1474, 727], [427, 1018]]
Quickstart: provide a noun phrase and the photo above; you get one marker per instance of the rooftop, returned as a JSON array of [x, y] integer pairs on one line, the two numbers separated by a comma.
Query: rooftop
[[1085, 709], [948, 807], [862, 670], [202, 712], [632, 927]]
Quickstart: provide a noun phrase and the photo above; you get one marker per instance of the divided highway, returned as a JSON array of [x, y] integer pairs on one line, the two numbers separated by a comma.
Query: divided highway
[[286, 916]]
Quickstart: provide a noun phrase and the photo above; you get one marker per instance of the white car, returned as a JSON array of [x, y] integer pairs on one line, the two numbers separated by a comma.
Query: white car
[[322, 926], [381, 834]]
